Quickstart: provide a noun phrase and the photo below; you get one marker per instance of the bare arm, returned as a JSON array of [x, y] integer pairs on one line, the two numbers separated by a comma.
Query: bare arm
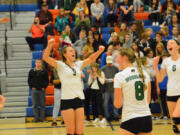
[[46, 55], [93, 57], [30, 29], [149, 92], [2, 101], [159, 74], [118, 97]]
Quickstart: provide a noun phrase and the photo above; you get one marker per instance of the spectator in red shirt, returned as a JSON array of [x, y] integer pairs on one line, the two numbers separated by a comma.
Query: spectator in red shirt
[[46, 18], [38, 36]]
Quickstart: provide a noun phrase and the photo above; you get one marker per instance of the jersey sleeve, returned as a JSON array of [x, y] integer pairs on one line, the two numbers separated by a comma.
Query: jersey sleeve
[[118, 81], [79, 64], [164, 64]]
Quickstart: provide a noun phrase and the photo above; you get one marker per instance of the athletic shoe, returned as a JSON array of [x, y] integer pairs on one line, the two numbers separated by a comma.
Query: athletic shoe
[[54, 124], [96, 120], [165, 118], [56, 7], [153, 24], [157, 23], [103, 121]]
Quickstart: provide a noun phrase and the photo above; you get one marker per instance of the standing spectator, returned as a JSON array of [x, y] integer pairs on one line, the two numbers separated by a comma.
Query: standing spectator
[[46, 18], [82, 22], [38, 81], [61, 21], [154, 10], [175, 33], [70, 34], [123, 31], [79, 44], [133, 34], [57, 96], [81, 6], [109, 70], [126, 11], [96, 80], [137, 5], [38, 36], [97, 11], [111, 12], [98, 41], [40, 2]]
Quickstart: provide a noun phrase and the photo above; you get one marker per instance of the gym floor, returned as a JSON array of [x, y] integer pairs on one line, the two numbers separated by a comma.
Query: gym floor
[[160, 127]]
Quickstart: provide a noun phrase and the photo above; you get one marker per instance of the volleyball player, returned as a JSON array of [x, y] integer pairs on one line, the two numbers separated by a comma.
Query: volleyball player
[[2, 101], [69, 71], [171, 67], [132, 91]]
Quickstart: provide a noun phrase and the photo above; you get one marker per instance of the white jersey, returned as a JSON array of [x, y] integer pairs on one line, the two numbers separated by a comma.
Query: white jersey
[[135, 99], [71, 85], [173, 71]]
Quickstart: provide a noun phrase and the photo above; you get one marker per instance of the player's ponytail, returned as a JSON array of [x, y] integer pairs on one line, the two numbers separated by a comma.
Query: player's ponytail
[[140, 70], [129, 53]]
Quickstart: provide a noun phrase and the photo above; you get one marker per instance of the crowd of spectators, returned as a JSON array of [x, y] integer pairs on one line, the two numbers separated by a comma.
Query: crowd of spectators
[[89, 18]]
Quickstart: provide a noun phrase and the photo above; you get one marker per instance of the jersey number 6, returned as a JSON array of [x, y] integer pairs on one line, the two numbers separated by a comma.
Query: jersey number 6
[[139, 91]]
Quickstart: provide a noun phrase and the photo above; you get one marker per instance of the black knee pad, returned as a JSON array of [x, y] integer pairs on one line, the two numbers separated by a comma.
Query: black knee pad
[[175, 129], [176, 120]]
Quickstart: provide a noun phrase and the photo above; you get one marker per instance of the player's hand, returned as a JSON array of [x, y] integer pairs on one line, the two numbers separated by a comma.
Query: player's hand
[[101, 48]]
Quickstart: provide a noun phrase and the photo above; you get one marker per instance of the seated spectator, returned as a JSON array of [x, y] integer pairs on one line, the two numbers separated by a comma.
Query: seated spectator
[[111, 12], [149, 32], [113, 39], [81, 6], [38, 81], [144, 44], [175, 21], [154, 10], [178, 37], [98, 41], [40, 2], [175, 33], [123, 31], [46, 19], [109, 70], [135, 48], [82, 22], [38, 36], [140, 28], [70, 34], [117, 46], [158, 39], [160, 49], [127, 41], [97, 11], [79, 44], [61, 21], [167, 19], [165, 31], [109, 52], [126, 11], [166, 4], [133, 34], [137, 5], [69, 5], [88, 48]]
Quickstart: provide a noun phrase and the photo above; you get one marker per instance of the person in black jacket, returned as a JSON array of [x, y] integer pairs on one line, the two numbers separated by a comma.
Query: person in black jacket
[[38, 81]]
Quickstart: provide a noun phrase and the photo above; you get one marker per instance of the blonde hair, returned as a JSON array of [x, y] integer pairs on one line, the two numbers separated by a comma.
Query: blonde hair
[[160, 44], [129, 53], [95, 65], [166, 29]]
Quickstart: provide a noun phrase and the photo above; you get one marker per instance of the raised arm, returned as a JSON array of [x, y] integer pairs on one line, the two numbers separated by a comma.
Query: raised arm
[[93, 57], [159, 74], [46, 55]]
